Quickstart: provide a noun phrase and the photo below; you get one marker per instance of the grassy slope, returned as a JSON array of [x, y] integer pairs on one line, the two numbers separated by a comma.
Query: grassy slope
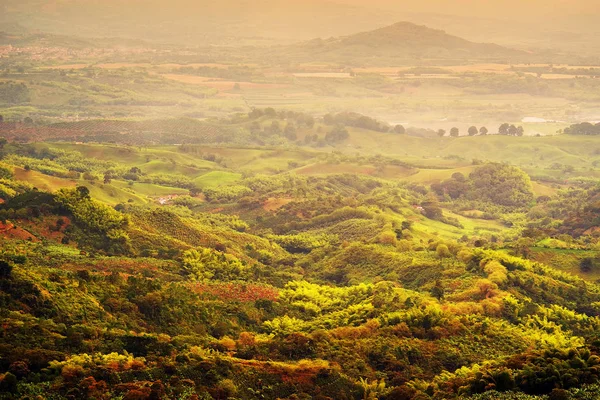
[[216, 178], [41, 181]]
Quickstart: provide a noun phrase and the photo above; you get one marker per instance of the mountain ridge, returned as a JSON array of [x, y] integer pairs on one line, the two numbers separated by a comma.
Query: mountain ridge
[[402, 40]]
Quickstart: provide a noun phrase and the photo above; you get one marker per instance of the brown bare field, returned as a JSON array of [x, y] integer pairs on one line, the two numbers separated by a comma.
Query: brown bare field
[[67, 66], [558, 76], [396, 172], [136, 65], [10, 231], [540, 189], [430, 76], [480, 68], [104, 66], [42, 228], [273, 203], [322, 75]]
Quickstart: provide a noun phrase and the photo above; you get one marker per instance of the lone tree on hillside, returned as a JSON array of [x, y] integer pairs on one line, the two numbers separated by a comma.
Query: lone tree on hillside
[[441, 132], [503, 129], [586, 264], [483, 131], [337, 134], [399, 129], [473, 131], [275, 128], [437, 290], [454, 132]]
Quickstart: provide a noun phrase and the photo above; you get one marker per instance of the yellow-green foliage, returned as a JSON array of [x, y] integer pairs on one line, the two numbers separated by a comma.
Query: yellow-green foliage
[[204, 264], [387, 237], [10, 188], [6, 191], [105, 227], [284, 325], [442, 251], [112, 360], [226, 193], [92, 213], [323, 298], [496, 272], [302, 242], [6, 171]]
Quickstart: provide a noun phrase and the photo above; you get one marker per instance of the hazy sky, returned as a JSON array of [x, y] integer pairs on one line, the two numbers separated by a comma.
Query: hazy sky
[[488, 8], [513, 9], [508, 22]]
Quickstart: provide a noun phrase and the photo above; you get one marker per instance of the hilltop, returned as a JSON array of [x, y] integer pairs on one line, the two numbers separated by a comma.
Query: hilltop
[[402, 41]]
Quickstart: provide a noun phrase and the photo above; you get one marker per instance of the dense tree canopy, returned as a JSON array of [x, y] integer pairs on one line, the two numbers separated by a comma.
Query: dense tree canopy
[[584, 128], [502, 184], [499, 184]]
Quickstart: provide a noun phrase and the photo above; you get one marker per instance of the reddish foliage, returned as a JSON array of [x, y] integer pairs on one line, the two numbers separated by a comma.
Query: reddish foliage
[[237, 291], [137, 394], [10, 231], [17, 131]]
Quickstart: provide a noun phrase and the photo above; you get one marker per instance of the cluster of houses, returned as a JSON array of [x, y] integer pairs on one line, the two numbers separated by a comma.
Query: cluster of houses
[[64, 53], [167, 199]]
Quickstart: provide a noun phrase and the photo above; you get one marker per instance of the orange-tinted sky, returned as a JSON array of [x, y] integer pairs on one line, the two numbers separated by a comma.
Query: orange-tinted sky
[[507, 22], [490, 8], [514, 9]]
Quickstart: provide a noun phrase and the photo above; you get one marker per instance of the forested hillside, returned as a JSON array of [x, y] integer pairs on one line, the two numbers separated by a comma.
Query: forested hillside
[[303, 199], [200, 271]]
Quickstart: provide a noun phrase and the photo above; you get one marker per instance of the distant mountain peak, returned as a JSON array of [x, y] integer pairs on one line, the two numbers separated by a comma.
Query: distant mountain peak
[[405, 30], [403, 40]]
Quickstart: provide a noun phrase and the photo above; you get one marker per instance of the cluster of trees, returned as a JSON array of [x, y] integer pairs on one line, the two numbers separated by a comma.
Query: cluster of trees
[[584, 128], [510, 130], [472, 131], [504, 129], [97, 226], [500, 184], [337, 134], [299, 118], [361, 121], [14, 92]]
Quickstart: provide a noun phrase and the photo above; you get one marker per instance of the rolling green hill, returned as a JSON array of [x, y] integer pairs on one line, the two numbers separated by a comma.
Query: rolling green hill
[[311, 282]]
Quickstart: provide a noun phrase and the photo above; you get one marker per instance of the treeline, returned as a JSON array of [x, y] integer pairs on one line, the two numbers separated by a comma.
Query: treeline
[[299, 118], [583, 128], [361, 121], [591, 71], [504, 129]]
